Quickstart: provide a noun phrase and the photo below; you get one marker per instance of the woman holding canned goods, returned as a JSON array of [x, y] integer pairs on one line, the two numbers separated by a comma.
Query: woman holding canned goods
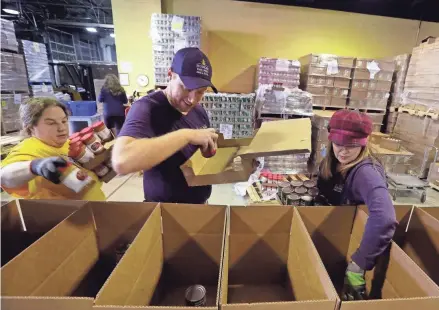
[[40, 157], [351, 175]]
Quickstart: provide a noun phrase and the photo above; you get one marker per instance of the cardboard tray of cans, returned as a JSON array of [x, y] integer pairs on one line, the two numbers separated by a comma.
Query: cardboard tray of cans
[[112, 255]]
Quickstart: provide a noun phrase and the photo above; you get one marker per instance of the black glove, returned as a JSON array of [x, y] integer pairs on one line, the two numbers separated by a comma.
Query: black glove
[[354, 283], [48, 168]]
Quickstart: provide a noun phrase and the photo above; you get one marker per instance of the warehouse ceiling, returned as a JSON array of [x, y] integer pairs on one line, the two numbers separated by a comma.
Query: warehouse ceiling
[[36, 14], [425, 10]]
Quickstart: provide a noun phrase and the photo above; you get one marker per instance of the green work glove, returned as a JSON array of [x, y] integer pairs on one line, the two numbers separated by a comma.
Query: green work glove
[[354, 283]]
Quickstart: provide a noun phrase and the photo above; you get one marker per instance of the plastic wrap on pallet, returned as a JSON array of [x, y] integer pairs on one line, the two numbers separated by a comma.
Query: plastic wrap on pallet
[[10, 113], [13, 73], [8, 40], [43, 90], [279, 71], [37, 63], [270, 99], [231, 114], [170, 33]]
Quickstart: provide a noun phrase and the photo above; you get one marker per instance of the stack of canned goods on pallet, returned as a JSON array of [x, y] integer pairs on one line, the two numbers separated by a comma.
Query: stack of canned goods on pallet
[[233, 110]]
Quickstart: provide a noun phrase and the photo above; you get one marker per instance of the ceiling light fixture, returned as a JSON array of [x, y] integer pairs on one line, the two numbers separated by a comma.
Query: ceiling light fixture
[[91, 29], [10, 9], [112, 35]]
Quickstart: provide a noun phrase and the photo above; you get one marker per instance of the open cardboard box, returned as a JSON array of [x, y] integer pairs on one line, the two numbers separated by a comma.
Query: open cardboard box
[[66, 267], [396, 280], [433, 211], [271, 263], [24, 221], [273, 138], [417, 235], [179, 246]]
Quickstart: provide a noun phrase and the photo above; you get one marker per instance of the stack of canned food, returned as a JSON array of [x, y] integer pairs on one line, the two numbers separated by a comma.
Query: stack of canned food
[[298, 193]]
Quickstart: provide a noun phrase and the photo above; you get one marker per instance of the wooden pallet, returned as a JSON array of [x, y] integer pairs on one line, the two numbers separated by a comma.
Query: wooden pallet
[[367, 110], [329, 107], [420, 113]]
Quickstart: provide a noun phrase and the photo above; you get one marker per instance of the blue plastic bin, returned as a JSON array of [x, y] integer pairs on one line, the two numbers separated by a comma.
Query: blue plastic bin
[[83, 108]]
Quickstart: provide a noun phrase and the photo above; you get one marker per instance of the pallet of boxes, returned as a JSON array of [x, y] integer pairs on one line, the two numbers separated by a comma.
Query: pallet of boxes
[[417, 125], [327, 78], [370, 89]]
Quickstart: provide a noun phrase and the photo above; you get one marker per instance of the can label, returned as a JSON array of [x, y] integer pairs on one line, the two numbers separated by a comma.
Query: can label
[[96, 147]]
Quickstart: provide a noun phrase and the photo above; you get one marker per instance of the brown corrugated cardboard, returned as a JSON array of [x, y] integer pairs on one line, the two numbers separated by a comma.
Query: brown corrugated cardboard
[[395, 281], [179, 246], [321, 100], [391, 144], [271, 263], [376, 137], [385, 65], [433, 211], [342, 82], [25, 221], [74, 258], [273, 138], [338, 102], [323, 59]]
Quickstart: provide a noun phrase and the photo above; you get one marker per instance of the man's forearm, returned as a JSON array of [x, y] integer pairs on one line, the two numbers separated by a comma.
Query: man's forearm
[[16, 174], [131, 155]]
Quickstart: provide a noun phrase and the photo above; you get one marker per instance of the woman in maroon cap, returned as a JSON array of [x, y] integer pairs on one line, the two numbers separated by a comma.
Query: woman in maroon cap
[[351, 175]]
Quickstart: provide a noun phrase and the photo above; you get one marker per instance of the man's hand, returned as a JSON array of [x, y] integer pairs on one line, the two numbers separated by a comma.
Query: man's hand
[[48, 168], [354, 283], [205, 138]]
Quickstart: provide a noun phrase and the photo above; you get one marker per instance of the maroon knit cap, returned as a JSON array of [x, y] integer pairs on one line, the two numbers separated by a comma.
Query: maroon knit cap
[[350, 128]]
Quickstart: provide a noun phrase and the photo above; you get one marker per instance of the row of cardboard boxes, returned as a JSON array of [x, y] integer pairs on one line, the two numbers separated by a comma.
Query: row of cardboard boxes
[[339, 102], [125, 255]]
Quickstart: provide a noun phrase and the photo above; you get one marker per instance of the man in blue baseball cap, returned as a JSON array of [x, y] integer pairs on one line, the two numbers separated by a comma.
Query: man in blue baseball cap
[[165, 128]]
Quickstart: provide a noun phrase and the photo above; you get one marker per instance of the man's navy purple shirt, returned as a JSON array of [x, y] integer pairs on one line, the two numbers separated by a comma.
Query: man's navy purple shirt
[[153, 116]]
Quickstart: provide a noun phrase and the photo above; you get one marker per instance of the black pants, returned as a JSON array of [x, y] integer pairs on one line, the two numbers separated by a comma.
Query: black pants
[[115, 122]]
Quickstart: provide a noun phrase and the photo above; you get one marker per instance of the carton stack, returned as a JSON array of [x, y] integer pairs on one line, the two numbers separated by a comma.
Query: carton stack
[[8, 40], [421, 94], [37, 65], [401, 68], [170, 33], [319, 138], [371, 84], [327, 78], [279, 71], [231, 114]]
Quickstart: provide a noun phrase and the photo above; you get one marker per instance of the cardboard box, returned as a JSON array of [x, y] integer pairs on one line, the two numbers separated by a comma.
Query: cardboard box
[[316, 80], [273, 138], [101, 158], [179, 246], [321, 118], [342, 82], [321, 100], [385, 65], [25, 221], [376, 137], [396, 281], [364, 74], [358, 94], [319, 134], [339, 102], [271, 263], [433, 211], [360, 84], [391, 144], [74, 259], [324, 58]]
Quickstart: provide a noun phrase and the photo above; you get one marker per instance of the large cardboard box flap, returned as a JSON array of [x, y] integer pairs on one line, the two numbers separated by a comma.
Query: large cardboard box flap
[[273, 138], [25, 221], [178, 246], [271, 263], [433, 211]]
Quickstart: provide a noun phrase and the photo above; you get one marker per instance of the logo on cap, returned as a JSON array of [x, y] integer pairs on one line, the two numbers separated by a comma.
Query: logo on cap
[[203, 68]]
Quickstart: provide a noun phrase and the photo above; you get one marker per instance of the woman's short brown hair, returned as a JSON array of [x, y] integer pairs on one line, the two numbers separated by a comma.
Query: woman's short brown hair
[[32, 109]]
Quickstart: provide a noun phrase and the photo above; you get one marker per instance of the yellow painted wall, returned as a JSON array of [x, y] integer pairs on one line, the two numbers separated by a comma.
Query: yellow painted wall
[[240, 33], [133, 44]]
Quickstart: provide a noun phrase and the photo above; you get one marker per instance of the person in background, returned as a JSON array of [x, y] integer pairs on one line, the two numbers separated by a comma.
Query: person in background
[[41, 154], [351, 175], [164, 129], [114, 99]]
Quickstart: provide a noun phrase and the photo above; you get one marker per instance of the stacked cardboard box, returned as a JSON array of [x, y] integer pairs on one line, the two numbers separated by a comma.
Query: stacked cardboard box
[[8, 40], [231, 114], [401, 68], [421, 90], [13, 73], [327, 78], [319, 137], [263, 257], [279, 71], [371, 84], [10, 111], [419, 135], [170, 33]]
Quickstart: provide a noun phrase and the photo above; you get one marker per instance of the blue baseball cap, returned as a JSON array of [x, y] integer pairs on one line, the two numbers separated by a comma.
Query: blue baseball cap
[[194, 68]]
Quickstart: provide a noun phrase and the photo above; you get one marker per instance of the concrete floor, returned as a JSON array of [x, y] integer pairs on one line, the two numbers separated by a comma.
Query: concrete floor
[[130, 188]]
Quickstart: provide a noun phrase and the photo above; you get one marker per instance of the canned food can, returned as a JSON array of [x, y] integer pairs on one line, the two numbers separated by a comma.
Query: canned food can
[[310, 183], [296, 183], [280, 188], [301, 190], [313, 192], [306, 200], [285, 192], [196, 296], [293, 200]]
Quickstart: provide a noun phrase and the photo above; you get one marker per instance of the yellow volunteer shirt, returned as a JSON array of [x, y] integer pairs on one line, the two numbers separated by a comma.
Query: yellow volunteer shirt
[[33, 148]]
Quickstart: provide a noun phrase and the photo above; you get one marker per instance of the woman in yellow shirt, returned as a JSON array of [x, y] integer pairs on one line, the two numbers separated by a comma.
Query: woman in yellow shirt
[[41, 156]]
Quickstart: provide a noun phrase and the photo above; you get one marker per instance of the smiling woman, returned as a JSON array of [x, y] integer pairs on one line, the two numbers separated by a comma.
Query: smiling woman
[[41, 156]]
